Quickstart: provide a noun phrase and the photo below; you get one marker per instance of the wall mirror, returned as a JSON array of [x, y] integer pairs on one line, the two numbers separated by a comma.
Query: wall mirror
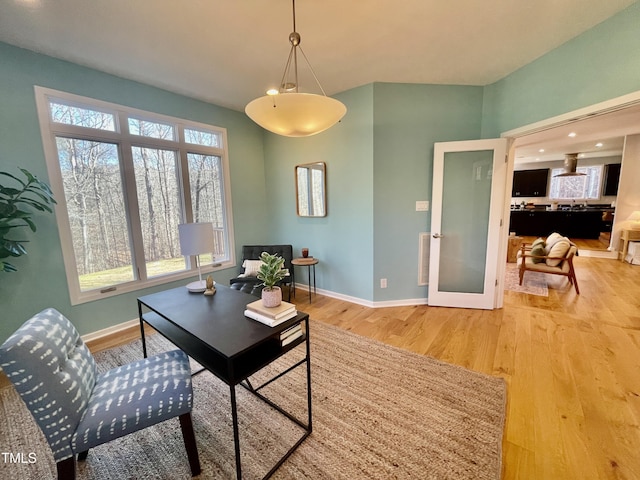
[[311, 192]]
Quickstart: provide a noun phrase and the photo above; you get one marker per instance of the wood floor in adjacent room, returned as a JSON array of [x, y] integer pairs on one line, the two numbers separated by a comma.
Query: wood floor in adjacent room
[[571, 363]]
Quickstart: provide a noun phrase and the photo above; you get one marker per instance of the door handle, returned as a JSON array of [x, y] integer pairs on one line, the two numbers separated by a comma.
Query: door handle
[[437, 235]]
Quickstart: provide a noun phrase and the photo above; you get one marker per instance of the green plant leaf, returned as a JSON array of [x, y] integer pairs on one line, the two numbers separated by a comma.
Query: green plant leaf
[[32, 225], [28, 174], [12, 248], [34, 195], [14, 177], [7, 267], [9, 191]]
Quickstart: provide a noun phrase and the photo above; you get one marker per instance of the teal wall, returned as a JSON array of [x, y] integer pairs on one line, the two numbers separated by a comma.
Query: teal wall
[[343, 240], [408, 120], [600, 64], [40, 281], [379, 162]]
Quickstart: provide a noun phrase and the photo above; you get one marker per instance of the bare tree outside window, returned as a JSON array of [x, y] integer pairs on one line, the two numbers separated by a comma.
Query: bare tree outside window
[[125, 192], [95, 206]]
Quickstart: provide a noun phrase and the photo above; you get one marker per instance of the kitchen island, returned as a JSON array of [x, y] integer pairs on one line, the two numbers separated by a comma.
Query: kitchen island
[[573, 222]]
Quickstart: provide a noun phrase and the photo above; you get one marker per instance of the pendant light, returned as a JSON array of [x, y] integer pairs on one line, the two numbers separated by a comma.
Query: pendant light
[[288, 112]]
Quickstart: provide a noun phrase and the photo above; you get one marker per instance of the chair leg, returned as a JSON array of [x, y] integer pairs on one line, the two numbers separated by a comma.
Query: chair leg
[[572, 276], [83, 455], [67, 468], [575, 281], [190, 443]]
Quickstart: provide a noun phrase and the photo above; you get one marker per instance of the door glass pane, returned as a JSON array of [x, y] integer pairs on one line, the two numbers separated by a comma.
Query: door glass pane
[[465, 220], [207, 199], [95, 204], [160, 208]]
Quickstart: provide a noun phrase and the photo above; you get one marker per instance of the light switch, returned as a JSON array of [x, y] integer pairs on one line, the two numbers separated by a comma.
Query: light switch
[[422, 206]]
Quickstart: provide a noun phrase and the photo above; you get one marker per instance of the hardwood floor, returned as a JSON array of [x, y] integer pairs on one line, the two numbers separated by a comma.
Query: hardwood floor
[[571, 363]]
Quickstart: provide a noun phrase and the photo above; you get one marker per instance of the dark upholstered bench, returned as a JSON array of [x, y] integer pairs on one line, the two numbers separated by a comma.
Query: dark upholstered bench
[[252, 285]]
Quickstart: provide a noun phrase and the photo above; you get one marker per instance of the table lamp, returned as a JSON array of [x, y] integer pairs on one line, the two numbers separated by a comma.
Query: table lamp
[[195, 239], [634, 220]]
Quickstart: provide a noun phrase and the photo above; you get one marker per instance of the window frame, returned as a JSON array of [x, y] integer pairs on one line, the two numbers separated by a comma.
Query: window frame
[[125, 141]]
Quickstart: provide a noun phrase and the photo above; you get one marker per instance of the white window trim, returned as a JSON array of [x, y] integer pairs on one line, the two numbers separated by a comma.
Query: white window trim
[[43, 96]]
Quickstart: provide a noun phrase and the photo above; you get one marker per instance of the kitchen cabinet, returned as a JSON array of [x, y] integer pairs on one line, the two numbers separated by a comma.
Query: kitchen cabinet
[[570, 223], [530, 183], [611, 179]]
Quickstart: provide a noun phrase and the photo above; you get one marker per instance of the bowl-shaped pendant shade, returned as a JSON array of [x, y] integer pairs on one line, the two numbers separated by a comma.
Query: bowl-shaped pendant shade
[[295, 114]]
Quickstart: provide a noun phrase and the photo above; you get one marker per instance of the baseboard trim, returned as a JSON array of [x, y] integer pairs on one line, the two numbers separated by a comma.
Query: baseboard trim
[[113, 330], [365, 303], [613, 255], [115, 335]]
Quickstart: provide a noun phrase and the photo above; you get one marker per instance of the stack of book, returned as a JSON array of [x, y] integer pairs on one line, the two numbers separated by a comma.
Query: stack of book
[[291, 334], [305, 260], [271, 316]]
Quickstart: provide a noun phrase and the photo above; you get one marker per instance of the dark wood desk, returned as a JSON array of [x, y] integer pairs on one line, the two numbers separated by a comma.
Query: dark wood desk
[[214, 331]]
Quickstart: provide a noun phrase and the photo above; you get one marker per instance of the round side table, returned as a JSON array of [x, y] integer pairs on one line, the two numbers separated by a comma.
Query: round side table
[[308, 262]]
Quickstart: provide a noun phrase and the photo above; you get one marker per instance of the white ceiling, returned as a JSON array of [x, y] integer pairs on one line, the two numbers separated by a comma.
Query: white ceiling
[[230, 51], [606, 129]]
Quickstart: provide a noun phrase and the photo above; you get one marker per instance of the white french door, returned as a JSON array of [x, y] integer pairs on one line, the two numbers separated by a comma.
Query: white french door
[[469, 180]]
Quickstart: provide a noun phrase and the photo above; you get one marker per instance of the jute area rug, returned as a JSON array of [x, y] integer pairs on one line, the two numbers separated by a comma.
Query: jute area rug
[[378, 413], [533, 283]]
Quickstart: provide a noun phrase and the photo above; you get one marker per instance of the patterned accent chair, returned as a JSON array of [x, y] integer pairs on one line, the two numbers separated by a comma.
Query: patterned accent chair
[[76, 407]]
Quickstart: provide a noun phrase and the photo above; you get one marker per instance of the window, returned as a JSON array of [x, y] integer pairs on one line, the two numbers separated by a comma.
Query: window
[[582, 187], [124, 180]]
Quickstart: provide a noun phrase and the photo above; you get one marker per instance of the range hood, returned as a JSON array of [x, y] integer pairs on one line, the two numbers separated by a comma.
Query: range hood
[[570, 164]]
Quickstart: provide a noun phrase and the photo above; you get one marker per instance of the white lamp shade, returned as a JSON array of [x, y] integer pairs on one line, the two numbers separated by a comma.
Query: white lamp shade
[[635, 216], [295, 114], [196, 238]]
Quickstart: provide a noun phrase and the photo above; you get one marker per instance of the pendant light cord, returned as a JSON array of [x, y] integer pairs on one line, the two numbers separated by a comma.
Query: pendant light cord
[[294, 14], [294, 39]]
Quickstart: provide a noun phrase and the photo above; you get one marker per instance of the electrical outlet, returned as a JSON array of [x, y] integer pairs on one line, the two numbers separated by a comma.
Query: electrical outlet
[[383, 283]]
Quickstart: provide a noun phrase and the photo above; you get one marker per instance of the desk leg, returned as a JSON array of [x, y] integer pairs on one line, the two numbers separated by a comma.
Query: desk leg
[[144, 342], [236, 433], [310, 427]]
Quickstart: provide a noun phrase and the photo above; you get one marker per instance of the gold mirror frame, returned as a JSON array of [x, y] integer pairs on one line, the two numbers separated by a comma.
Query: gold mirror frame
[[311, 189]]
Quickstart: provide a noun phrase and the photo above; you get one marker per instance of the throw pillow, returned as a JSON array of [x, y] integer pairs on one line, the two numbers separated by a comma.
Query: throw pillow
[[552, 239], [251, 268], [538, 249], [559, 249], [538, 241]]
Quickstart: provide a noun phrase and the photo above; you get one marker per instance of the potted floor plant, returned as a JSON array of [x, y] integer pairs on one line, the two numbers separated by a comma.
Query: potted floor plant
[[17, 202], [270, 273]]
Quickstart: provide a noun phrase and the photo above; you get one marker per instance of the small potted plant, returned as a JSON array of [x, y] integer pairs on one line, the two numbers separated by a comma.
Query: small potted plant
[[270, 273]]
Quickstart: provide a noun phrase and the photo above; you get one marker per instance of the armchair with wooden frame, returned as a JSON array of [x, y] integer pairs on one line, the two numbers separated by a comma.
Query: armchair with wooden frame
[[556, 261]]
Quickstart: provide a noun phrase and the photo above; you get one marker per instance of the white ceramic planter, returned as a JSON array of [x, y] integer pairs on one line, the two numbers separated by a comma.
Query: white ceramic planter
[[271, 298]]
